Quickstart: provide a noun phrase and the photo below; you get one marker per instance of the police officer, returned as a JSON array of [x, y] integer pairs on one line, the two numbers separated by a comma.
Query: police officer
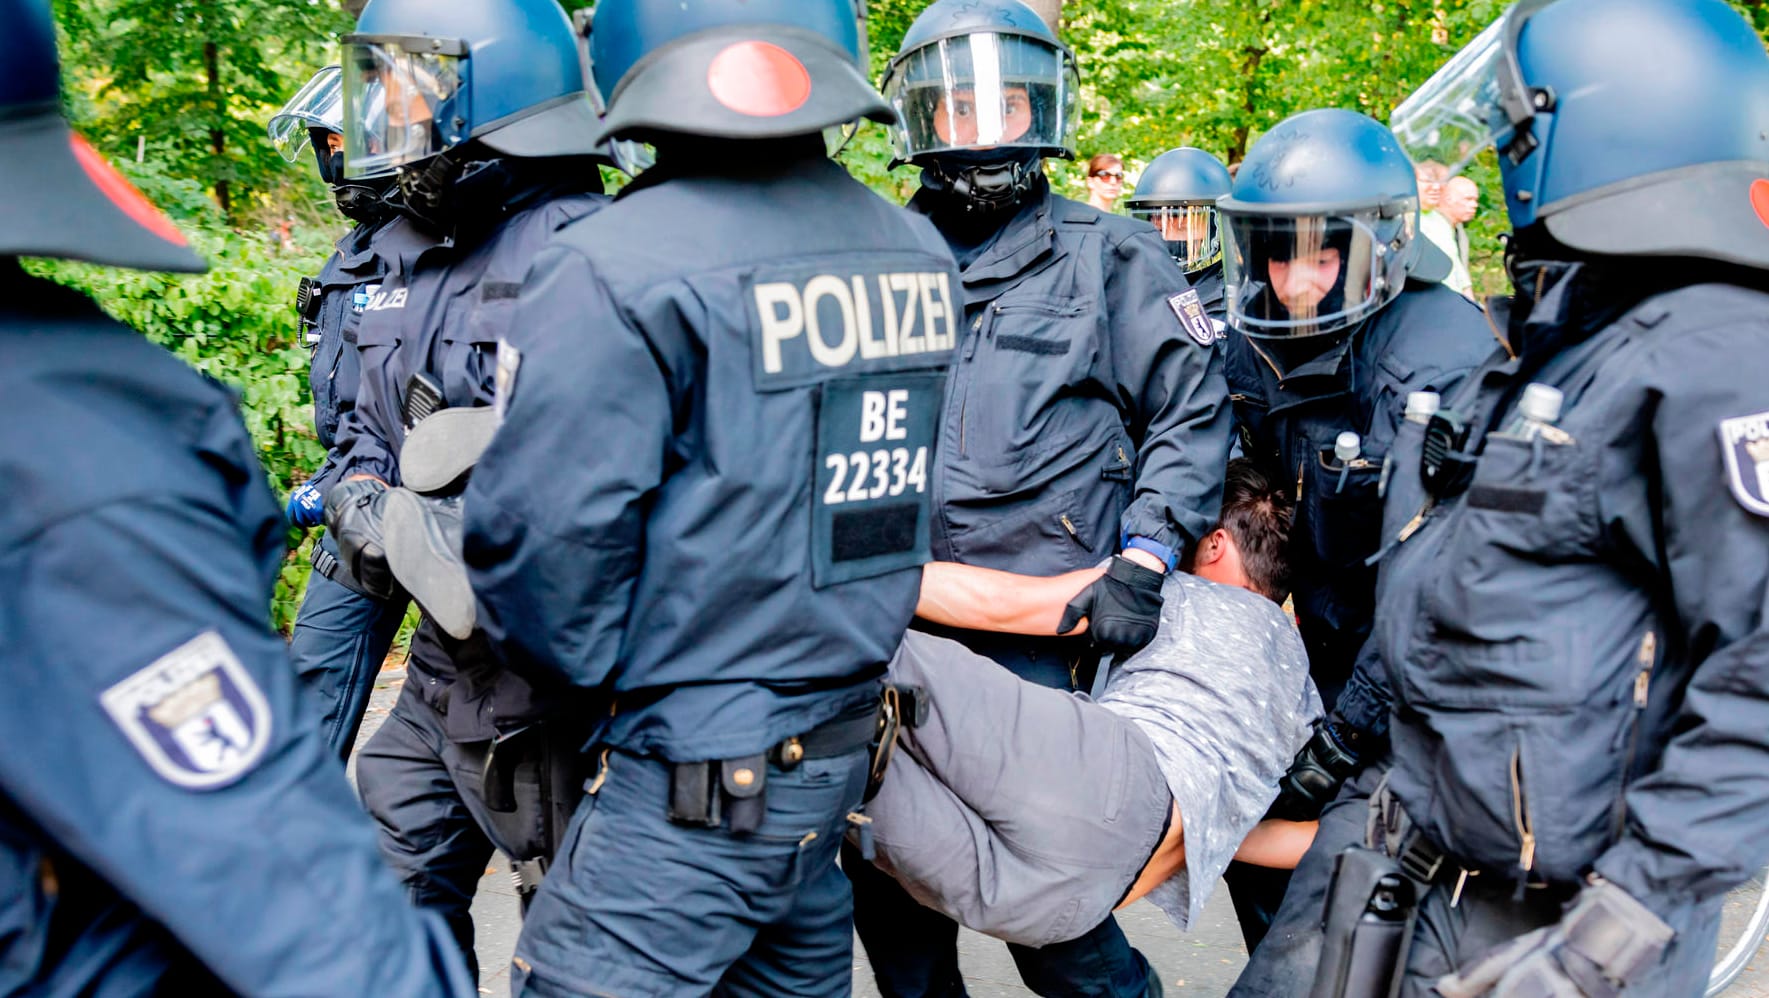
[[1085, 417], [341, 635], [1575, 626], [711, 495], [1337, 318], [1177, 194], [165, 798], [480, 108]]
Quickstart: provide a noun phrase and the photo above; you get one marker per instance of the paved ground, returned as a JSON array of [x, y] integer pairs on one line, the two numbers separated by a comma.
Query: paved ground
[[1201, 963]]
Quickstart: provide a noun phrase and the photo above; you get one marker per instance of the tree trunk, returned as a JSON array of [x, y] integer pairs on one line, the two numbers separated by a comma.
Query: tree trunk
[[1051, 11], [217, 137]]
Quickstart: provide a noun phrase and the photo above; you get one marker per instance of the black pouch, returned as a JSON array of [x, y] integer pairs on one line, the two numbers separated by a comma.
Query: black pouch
[[694, 799], [1367, 927], [745, 783], [423, 396]]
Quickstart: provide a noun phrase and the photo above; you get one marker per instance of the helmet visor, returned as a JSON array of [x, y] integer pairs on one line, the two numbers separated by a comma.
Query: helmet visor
[[1190, 231], [400, 105], [318, 104], [982, 91], [1457, 113], [1289, 276]]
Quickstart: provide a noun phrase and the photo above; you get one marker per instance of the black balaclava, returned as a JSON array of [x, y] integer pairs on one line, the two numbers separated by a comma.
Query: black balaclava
[[362, 201], [466, 191], [987, 182]]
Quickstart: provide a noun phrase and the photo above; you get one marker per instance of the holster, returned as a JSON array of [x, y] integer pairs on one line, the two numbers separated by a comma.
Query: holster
[[1367, 927], [540, 762]]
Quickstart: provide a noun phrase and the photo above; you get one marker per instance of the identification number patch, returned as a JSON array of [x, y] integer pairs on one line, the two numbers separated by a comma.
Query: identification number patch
[[1744, 440], [194, 714], [875, 451]]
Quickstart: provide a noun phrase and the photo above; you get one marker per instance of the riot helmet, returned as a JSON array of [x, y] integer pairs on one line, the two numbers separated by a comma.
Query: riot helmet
[[730, 69], [984, 91], [58, 196], [314, 118], [1177, 194], [1606, 158], [1320, 227]]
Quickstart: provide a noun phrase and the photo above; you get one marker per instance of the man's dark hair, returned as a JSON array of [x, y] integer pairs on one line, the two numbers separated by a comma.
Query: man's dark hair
[[1257, 514]]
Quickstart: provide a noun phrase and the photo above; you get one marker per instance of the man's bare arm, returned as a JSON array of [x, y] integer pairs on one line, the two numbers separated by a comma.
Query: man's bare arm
[[983, 599]]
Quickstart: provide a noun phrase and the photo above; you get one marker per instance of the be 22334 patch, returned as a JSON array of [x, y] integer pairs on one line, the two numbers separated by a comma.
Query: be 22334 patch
[[194, 714], [1744, 441], [1193, 319]]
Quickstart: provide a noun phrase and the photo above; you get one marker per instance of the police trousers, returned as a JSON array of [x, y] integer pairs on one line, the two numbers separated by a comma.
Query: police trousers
[[642, 907], [340, 640]]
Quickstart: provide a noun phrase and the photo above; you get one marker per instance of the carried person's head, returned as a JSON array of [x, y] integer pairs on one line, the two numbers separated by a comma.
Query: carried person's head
[[1624, 128], [1248, 547], [984, 91], [1321, 227]]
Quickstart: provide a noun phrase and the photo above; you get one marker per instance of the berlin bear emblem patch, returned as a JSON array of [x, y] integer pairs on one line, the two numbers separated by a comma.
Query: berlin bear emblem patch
[[1192, 317], [1745, 442], [194, 714]]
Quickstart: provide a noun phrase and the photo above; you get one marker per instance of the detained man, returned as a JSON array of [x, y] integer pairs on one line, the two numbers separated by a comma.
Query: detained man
[[1030, 813]]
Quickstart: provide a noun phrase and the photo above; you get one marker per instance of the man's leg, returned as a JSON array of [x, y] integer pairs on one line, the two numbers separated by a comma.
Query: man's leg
[[1284, 964], [597, 925], [1257, 891], [1102, 962], [340, 640], [912, 948], [427, 834]]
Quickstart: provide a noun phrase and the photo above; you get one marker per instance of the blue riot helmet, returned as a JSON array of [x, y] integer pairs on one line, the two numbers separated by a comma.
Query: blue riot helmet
[[730, 69], [1177, 194], [422, 78], [309, 120], [1321, 227], [58, 196], [1624, 127]]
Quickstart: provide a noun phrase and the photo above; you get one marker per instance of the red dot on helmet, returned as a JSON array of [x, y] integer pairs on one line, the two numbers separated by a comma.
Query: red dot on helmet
[[1760, 199], [758, 79], [123, 194]]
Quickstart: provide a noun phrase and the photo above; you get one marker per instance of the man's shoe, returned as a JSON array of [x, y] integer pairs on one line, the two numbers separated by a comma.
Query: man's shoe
[[422, 536], [441, 449]]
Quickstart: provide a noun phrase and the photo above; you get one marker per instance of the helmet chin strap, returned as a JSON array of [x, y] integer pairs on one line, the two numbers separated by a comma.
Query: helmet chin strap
[[984, 187]]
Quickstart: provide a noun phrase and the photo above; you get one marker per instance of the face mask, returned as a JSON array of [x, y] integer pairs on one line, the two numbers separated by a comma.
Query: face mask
[[986, 181]]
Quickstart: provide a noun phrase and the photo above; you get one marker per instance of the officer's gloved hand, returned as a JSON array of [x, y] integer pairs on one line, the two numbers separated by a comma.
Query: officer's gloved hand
[[1122, 607], [307, 506], [1604, 941], [1316, 774], [353, 515]]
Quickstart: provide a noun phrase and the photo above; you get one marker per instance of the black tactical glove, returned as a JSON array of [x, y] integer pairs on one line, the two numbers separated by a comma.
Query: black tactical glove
[[1605, 941], [353, 515], [1123, 608], [1316, 774]]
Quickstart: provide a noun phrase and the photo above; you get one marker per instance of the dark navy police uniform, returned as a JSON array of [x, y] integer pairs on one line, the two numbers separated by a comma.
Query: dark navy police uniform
[[711, 496], [1576, 641], [421, 774], [341, 636], [166, 804]]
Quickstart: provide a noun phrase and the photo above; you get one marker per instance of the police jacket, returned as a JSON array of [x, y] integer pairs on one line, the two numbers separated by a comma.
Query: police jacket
[[712, 487], [338, 296], [1576, 641], [165, 797], [443, 315], [1083, 407], [1427, 339], [1209, 285]]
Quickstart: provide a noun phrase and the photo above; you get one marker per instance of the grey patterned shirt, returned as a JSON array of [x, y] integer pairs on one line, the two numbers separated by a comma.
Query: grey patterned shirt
[[1224, 694]]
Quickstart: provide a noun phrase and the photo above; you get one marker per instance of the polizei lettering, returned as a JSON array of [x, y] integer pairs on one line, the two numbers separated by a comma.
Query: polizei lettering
[[814, 327]]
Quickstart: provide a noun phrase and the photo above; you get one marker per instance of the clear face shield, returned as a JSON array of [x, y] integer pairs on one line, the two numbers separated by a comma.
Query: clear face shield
[[982, 91], [1190, 230], [1291, 276], [405, 99], [318, 104], [1478, 99]]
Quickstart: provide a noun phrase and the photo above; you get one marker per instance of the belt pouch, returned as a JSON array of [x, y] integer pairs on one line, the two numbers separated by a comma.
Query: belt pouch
[[745, 783], [694, 799]]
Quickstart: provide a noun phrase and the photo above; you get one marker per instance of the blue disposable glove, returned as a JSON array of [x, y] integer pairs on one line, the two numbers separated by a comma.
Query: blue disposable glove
[[307, 506]]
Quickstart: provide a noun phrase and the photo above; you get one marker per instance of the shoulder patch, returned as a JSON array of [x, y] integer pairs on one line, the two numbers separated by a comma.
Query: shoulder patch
[[1192, 318], [195, 714], [1744, 440]]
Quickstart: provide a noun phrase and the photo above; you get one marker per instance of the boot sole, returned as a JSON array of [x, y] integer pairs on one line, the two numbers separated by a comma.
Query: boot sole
[[421, 561]]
